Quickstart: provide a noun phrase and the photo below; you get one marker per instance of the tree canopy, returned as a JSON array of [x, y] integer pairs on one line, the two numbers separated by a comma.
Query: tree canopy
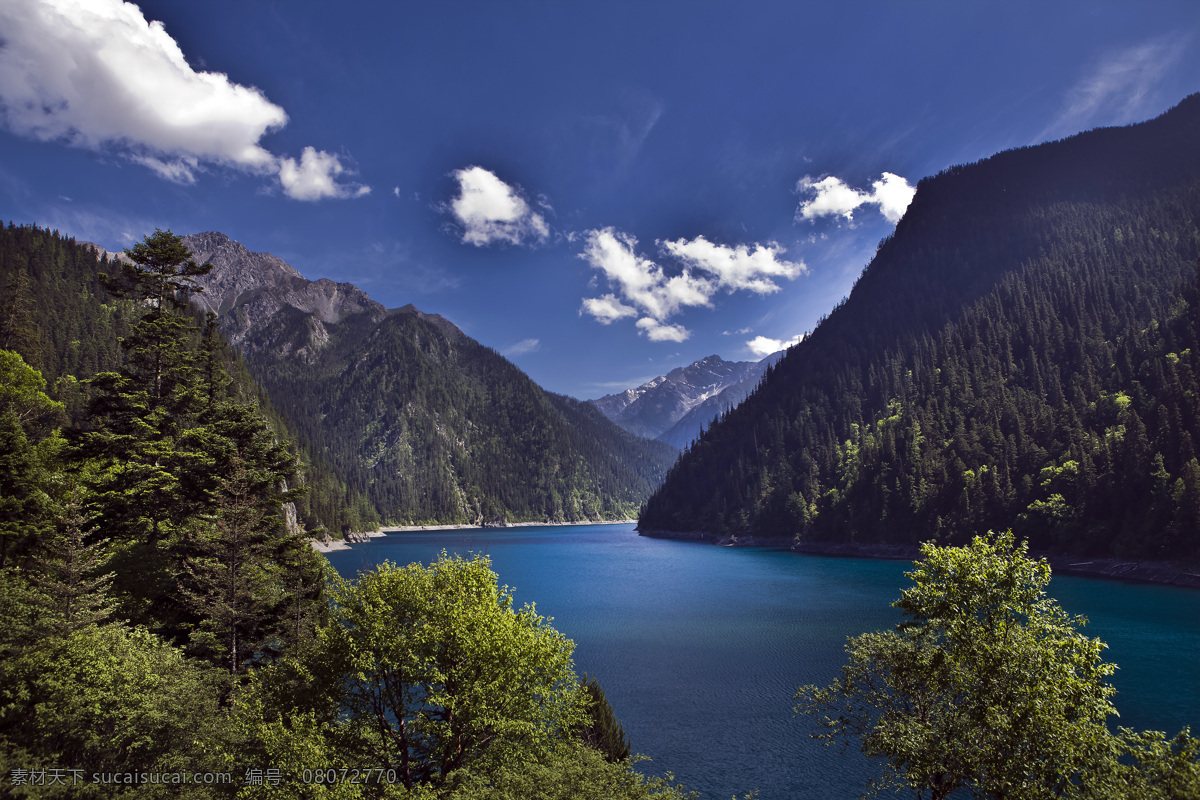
[[988, 685]]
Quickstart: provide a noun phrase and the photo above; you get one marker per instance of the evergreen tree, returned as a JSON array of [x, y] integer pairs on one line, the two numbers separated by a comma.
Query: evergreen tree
[[603, 731], [27, 445], [231, 582], [70, 577]]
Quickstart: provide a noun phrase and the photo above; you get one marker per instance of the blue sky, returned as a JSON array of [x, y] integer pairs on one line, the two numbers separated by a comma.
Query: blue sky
[[601, 191]]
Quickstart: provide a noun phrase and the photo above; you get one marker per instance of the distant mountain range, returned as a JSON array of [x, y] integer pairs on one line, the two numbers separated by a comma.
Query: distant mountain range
[[427, 423], [1023, 352], [674, 408]]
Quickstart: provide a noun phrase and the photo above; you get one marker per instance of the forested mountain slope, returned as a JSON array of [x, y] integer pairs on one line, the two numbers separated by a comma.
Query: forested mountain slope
[[435, 427], [55, 312], [1023, 351], [429, 424]]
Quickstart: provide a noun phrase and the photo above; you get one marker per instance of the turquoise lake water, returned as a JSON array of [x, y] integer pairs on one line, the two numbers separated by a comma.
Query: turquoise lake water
[[700, 648]]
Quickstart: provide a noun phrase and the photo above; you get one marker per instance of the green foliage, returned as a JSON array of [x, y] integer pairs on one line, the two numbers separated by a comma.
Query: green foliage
[[107, 700], [426, 671], [28, 449], [70, 577], [230, 578], [56, 312], [162, 525], [159, 270], [603, 731], [1000, 332], [432, 426], [568, 772], [430, 672], [988, 685]]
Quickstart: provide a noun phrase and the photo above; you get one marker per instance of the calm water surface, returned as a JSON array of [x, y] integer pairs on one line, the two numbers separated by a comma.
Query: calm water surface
[[700, 648]]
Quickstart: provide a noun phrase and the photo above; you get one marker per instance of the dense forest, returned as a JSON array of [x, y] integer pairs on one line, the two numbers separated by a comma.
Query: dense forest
[[434, 427], [1023, 351], [56, 312], [169, 632]]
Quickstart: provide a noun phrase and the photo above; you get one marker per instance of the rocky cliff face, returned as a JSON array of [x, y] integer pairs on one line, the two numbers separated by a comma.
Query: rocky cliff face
[[247, 290]]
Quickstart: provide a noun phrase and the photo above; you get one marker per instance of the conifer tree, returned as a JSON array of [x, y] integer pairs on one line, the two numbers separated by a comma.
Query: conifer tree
[[26, 441], [231, 581], [70, 576], [603, 730]]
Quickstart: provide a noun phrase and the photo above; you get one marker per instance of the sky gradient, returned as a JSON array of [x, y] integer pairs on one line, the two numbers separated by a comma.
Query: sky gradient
[[600, 191]]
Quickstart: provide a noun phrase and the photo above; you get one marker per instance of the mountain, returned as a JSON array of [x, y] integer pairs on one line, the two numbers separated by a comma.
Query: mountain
[[246, 290], [653, 408], [1023, 351], [430, 425], [689, 427], [56, 312]]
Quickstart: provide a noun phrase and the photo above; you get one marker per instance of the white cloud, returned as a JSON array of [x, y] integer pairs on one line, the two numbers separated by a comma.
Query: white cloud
[[1118, 87], [96, 74], [522, 347], [762, 346], [892, 195], [396, 191], [831, 196], [737, 267], [490, 211], [659, 332], [645, 289], [640, 280], [315, 177], [607, 308]]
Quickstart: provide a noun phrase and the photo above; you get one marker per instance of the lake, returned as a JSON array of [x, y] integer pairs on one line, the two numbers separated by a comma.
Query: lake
[[700, 648]]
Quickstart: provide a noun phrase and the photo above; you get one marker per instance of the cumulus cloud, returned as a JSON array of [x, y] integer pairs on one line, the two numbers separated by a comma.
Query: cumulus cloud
[[762, 346], [490, 211], [315, 177], [1118, 87], [96, 74], [607, 308], [522, 347], [737, 267], [642, 283], [832, 197], [660, 332], [646, 290]]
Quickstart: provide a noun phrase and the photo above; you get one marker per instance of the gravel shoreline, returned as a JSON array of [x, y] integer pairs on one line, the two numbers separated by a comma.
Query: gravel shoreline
[[357, 538]]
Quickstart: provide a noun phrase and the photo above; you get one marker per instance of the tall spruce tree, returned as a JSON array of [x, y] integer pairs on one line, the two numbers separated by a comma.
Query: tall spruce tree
[[70, 576]]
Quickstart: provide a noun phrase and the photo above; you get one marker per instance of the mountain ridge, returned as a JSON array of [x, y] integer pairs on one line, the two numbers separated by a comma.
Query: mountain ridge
[[655, 407], [431, 425], [1019, 353]]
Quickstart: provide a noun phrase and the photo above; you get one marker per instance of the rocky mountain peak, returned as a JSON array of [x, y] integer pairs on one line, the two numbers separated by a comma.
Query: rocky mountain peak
[[246, 289], [653, 408]]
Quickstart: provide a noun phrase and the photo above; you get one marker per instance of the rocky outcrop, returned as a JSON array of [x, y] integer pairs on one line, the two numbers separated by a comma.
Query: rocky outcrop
[[246, 290]]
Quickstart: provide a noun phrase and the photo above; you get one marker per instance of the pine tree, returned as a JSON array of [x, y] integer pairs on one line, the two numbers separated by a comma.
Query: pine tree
[[70, 576], [603, 731], [231, 582]]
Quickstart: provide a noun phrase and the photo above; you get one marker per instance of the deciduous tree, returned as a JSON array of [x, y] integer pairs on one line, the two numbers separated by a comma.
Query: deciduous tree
[[987, 684]]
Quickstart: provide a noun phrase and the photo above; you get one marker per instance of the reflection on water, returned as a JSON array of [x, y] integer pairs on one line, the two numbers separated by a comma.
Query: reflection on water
[[700, 648]]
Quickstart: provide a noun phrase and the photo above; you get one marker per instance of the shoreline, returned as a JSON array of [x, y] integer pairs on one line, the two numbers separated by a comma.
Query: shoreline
[[1162, 573], [386, 529], [360, 538]]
